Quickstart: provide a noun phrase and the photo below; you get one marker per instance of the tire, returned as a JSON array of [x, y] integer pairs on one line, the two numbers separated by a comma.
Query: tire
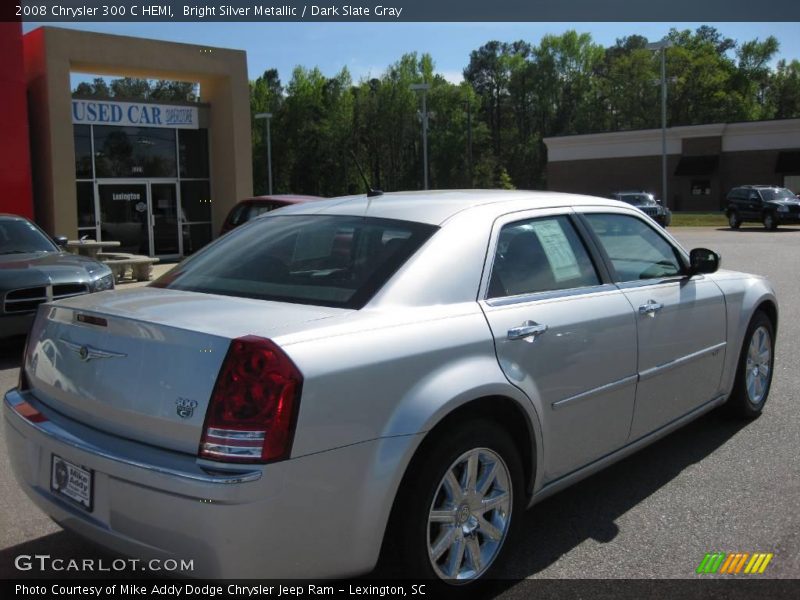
[[770, 222], [751, 390], [462, 533], [733, 220]]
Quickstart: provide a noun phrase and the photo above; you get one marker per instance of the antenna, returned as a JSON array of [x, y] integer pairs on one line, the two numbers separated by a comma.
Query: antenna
[[370, 192]]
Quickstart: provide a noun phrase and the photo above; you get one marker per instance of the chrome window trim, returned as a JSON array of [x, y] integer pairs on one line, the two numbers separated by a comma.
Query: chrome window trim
[[550, 295]]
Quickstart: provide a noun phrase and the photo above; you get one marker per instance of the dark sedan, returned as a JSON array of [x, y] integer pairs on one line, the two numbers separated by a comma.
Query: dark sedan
[[33, 269]]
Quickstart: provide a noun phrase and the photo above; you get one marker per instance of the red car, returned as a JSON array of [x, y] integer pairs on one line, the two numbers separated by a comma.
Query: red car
[[250, 208]]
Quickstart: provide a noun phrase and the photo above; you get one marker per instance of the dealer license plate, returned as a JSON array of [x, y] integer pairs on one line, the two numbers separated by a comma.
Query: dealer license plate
[[72, 482]]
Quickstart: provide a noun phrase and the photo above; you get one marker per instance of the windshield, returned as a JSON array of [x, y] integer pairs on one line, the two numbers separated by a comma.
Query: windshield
[[21, 237], [637, 199], [338, 261], [777, 194]]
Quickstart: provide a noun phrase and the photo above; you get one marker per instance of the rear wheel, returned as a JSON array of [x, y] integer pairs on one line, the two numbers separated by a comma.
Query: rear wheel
[[453, 515], [754, 374], [733, 220], [770, 222]]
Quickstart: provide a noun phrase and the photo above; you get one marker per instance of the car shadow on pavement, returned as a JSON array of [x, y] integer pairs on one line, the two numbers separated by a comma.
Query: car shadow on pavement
[[589, 509]]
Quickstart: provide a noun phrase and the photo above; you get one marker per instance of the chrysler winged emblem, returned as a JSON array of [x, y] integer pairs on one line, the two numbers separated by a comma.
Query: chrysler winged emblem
[[87, 353]]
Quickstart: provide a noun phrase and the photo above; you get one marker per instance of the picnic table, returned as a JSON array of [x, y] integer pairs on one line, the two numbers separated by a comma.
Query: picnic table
[[89, 248]]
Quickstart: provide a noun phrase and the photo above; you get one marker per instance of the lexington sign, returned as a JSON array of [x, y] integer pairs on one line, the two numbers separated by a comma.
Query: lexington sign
[[133, 114]]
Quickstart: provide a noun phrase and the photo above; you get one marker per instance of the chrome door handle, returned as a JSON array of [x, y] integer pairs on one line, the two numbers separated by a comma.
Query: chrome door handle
[[650, 308], [527, 331]]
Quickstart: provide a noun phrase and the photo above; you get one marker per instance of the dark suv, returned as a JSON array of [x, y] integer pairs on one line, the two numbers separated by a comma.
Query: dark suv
[[767, 204], [647, 204]]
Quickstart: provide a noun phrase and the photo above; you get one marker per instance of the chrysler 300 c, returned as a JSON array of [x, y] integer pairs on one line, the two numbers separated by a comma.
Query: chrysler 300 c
[[396, 376]]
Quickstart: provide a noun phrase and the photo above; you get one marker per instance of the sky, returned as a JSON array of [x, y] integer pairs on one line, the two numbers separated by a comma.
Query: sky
[[366, 49]]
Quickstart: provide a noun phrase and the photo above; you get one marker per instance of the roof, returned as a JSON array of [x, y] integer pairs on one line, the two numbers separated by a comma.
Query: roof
[[435, 207], [287, 198]]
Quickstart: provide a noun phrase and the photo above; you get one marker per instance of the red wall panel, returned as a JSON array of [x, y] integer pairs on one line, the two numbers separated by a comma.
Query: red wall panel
[[16, 195]]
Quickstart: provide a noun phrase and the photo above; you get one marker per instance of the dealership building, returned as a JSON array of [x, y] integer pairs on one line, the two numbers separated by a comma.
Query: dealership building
[[157, 177], [703, 161]]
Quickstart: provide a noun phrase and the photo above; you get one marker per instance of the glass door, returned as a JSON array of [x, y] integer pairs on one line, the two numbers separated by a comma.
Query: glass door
[[165, 221], [124, 215]]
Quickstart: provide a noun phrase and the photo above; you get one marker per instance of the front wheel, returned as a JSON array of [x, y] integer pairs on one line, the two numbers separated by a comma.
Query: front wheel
[[754, 374], [454, 512], [770, 222]]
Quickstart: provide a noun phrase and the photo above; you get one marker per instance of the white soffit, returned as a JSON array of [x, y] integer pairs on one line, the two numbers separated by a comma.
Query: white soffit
[[736, 137]]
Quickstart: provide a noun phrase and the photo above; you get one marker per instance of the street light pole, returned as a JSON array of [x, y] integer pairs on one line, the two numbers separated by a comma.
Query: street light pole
[[662, 47], [424, 87], [268, 117]]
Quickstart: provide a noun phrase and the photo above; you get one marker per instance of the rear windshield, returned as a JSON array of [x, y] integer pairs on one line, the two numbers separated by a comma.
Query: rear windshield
[[339, 261]]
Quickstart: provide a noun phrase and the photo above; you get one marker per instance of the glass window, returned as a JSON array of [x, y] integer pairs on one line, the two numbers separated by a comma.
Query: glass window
[[777, 194], [701, 187], [196, 201], [540, 255], [634, 248], [85, 192], [195, 236], [310, 259], [134, 151], [193, 152], [20, 236], [82, 135]]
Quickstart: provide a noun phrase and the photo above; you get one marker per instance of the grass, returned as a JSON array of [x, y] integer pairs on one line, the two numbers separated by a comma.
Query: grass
[[695, 219]]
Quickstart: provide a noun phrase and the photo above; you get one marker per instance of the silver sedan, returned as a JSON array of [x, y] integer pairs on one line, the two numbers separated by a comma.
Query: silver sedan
[[393, 377]]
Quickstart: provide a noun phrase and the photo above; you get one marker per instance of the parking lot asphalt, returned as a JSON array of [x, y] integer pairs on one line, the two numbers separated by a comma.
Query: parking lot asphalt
[[715, 485]]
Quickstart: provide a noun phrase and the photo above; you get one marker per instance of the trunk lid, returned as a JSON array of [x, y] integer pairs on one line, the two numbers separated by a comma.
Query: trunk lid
[[142, 363]]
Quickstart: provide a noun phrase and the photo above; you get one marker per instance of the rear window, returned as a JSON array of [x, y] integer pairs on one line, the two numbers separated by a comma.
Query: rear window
[[338, 261]]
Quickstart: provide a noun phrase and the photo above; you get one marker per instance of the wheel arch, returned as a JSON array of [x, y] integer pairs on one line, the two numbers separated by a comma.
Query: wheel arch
[[501, 409]]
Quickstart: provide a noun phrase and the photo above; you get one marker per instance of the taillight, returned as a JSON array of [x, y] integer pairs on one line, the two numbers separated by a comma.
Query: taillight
[[253, 409]]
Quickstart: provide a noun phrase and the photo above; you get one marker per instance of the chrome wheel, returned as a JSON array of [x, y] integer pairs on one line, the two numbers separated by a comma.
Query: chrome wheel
[[758, 364], [470, 515]]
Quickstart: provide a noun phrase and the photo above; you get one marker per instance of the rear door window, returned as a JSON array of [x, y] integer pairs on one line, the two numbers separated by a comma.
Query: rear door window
[[540, 255]]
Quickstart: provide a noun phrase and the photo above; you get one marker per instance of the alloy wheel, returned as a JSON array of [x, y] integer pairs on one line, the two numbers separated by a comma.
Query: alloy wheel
[[470, 515], [758, 365]]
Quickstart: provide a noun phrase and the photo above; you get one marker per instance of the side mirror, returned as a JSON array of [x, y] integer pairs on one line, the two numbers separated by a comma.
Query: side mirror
[[703, 260], [61, 240]]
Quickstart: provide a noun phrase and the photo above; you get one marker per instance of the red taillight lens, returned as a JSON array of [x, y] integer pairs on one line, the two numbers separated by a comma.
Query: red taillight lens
[[253, 409]]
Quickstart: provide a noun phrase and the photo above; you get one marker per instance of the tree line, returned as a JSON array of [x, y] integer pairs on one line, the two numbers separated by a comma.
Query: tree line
[[488, 130]]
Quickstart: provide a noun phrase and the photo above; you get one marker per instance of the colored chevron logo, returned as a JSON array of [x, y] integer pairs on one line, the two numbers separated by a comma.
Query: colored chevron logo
[[734, 563]]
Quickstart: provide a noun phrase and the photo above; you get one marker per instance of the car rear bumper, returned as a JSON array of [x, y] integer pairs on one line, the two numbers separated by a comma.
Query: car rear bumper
[[284, 520]]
